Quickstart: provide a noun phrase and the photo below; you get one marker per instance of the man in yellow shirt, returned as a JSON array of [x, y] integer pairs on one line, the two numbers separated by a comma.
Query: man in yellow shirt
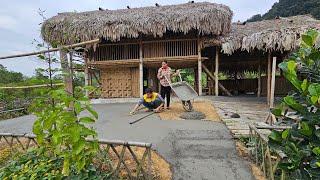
[[151, 100]]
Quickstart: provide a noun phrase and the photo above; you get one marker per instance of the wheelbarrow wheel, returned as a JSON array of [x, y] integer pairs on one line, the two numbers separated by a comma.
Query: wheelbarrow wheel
[[187, 106]]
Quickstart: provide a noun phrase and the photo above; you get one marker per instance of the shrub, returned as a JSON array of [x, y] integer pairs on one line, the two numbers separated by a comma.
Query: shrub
[[301, 143]]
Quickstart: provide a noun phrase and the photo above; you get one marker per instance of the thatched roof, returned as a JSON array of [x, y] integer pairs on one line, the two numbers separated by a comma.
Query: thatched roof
[[206, 18], [281, 34]]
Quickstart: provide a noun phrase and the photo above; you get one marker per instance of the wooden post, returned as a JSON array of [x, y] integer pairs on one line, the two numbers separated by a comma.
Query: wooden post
[[216, 72], [141, 70], [259, 79], [273, 80], [195, 71], [268, 78], [86, 75], [67, 78], [199, 69]]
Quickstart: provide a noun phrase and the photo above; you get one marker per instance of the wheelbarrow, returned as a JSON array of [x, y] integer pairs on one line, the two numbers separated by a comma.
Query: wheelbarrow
[[184, 92]]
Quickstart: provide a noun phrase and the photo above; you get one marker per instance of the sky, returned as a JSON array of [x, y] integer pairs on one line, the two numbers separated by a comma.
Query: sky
[[20, 21]]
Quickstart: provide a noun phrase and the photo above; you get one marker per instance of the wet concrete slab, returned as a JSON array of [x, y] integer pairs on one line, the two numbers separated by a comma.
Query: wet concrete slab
[[195, 149]]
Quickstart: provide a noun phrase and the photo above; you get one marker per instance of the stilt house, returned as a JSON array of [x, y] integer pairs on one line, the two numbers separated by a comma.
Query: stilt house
[[134, 41]]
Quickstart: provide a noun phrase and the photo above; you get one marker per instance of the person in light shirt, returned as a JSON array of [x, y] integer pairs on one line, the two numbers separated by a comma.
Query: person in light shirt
[[164, 75]]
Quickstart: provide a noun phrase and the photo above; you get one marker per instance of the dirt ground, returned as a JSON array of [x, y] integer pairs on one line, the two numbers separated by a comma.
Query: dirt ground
[[244, 153], [205, 107]]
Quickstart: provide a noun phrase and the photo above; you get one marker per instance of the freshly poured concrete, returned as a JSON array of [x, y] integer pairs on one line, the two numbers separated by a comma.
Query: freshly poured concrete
[[195, 149]]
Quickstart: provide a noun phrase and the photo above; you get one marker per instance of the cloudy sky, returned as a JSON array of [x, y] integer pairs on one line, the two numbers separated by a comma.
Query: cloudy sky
[[19, 21]]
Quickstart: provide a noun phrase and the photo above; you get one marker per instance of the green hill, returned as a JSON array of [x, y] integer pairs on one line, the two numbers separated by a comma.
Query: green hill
[[285, 8]]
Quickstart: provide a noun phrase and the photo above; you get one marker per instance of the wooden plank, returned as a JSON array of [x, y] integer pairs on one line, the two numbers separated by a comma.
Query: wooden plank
[[216, 73], [273, 78]]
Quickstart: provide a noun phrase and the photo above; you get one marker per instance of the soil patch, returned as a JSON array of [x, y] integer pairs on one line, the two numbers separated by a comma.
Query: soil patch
[[176, 110], [244, 153], [159, 167]]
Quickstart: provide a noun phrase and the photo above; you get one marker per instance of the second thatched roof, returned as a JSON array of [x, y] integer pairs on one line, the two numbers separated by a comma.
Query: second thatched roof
[[282, 34], [206, 18]]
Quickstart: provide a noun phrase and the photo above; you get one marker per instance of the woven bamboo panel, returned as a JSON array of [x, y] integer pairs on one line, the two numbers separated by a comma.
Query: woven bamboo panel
[[120, 82]]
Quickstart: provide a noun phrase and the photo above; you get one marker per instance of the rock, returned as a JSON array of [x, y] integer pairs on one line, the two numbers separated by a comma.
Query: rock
[[235, 115], [194, 115]]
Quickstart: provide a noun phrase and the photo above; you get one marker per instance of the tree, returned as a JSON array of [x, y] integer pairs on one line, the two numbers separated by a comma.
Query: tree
[[7, 77], [285, 8]]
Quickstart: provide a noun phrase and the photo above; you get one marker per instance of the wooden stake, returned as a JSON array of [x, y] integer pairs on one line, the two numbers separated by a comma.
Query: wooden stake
[[216, 72], [268, 78], [273, 80], [199, 69], [141, 70], [259, 79]]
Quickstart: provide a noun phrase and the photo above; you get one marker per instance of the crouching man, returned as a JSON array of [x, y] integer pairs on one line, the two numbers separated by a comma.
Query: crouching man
[[151, 100]]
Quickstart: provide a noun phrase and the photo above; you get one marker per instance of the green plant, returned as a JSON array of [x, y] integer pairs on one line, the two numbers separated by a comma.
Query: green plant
[[301, 143], [33, 165], [60, 128]]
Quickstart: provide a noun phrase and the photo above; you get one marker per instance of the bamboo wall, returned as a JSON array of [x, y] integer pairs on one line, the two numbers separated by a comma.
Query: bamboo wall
[[120, 82], [151, 49]]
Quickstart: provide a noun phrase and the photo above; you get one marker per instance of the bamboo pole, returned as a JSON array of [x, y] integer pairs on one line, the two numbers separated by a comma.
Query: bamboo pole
[[216, 73], [268, 78], [259, 79], [32, 86], [199, 69], [273, 79], [52, 49], [141, 70]]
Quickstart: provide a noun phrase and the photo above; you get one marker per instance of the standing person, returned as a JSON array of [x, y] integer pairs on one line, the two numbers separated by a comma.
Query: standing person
[[164, 75]]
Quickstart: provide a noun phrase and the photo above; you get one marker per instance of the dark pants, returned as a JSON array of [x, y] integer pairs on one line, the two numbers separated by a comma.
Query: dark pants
[[165, 92], [153, 104]]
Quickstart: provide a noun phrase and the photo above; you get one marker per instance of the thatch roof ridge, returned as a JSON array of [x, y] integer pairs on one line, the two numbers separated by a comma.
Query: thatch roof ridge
[[207, 18], [281, 34]]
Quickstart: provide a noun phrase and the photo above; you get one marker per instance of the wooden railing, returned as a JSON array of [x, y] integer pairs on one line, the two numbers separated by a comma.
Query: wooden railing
[[263, 157], [115, 153], [151, 49]]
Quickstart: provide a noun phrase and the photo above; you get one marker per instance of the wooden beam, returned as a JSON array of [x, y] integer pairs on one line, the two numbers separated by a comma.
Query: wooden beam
[[259, 79], [268, 78], [140, 70], [206, 70], [216, 73], [52, 49], [273, 80], [199, 69]]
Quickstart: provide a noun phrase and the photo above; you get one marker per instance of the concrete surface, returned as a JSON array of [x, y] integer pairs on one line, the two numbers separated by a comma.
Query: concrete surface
[[195, 149]]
